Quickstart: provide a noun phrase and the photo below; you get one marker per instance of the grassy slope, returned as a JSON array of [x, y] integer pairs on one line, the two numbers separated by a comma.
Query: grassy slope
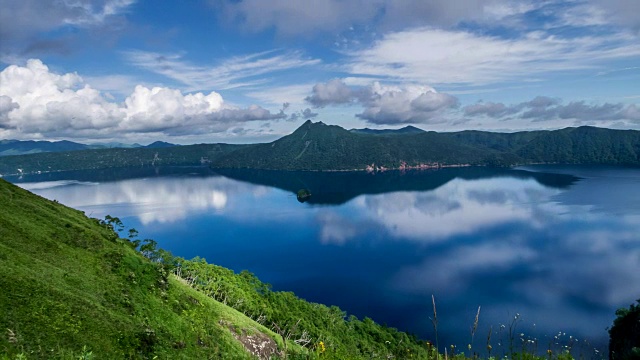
[[67, 282]]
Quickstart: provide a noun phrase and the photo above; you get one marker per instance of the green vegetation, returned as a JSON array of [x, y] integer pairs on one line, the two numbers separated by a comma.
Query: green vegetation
[[17, 147], [624, 335], [316, 146], [113, 158], [303, 195]]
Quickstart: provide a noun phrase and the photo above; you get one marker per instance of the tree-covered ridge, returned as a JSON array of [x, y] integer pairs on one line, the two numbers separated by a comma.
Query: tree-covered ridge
[[113, 158], [17, 147], [316, 146], [23, 147]]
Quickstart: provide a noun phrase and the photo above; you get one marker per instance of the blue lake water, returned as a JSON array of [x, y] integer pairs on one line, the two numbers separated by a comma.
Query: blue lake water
[[558, 245]]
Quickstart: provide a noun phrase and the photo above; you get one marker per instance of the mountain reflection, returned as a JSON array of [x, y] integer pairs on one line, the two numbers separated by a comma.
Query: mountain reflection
[[335, 188]]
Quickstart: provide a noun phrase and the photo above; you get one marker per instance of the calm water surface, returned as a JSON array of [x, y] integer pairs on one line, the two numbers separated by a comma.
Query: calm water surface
[[558, 245]]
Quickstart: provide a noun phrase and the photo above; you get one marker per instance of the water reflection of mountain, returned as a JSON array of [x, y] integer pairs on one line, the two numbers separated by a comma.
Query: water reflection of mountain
[[334, 188]]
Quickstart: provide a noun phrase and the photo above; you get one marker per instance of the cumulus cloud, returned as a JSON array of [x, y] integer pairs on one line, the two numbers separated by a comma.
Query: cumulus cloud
[[408, 104], [6, 106], [386, 104], [303, 114], [331, 93], [37, 102]]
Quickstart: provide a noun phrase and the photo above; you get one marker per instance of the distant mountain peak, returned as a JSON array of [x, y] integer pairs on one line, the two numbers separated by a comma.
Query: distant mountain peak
[[402, 131], [160, 144]]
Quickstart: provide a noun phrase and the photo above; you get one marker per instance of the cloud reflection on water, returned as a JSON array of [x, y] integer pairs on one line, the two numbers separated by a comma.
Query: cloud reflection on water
[[458, 207], [151, 200], [512, 238]]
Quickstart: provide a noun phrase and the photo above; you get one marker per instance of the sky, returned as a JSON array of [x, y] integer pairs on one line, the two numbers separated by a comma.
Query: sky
[[241, 71]]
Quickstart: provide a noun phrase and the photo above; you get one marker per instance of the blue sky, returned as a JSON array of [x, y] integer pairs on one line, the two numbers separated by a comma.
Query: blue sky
[[254, 70]]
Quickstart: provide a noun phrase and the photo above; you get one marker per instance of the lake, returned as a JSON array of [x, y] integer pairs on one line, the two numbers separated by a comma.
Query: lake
[[558, 247]]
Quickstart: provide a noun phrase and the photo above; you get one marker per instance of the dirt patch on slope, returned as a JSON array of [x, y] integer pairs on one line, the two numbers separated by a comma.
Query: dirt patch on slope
[[254, 341]]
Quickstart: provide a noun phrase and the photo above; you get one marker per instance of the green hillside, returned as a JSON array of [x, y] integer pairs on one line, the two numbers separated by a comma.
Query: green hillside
[[72, 288]]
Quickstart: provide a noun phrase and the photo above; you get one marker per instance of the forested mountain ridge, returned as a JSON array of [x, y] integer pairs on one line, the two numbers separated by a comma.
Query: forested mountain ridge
[[17, 147], [317, 146], [402, 131], [24, 147], [113, 158]]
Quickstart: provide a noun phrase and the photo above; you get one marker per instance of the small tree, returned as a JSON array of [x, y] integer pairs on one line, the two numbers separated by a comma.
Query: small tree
[[624, 335], [149, 249]]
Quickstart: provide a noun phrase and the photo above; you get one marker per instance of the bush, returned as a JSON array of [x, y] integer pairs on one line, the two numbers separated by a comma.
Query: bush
[[624, 335]]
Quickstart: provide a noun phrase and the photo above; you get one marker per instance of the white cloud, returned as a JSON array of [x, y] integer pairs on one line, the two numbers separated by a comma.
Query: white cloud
[[51, 103], [384, 104], [36, 102], [238, 71], [150, 200], [6, 106], [406, 104], [331, 93], [436, 56]]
